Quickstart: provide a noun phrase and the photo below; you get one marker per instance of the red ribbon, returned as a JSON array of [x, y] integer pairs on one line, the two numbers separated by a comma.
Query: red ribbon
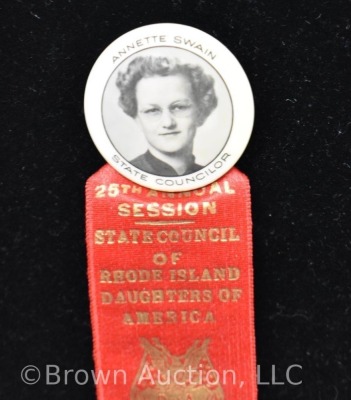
[[171, 289]]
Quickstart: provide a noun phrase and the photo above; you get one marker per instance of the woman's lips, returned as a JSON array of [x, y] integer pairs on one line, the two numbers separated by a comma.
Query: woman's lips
[[169, 133]]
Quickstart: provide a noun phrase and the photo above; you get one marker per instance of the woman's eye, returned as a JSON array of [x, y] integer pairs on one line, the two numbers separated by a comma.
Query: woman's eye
[[181, 107], [151, 111]]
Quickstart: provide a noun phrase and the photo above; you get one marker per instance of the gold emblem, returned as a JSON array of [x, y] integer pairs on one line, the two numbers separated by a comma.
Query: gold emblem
[[165, 376]]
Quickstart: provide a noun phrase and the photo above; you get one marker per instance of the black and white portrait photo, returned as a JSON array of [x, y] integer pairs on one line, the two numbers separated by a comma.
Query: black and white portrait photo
[[167, 111]]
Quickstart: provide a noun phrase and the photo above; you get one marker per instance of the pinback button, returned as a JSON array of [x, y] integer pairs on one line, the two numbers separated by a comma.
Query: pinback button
[[169, 107]]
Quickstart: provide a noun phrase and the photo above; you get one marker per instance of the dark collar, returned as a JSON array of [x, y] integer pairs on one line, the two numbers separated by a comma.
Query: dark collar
[[161, 168]]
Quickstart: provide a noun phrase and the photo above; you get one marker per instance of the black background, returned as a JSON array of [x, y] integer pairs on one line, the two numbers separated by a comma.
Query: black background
[[297, 57]]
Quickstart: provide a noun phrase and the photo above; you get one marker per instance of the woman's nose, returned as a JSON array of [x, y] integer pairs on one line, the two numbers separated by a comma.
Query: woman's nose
[[168, 120]]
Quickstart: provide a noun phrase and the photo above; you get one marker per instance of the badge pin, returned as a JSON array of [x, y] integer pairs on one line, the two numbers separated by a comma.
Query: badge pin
[[169, 107]]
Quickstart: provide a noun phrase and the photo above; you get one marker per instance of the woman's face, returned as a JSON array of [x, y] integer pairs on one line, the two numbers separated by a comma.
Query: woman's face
[[167, 112]]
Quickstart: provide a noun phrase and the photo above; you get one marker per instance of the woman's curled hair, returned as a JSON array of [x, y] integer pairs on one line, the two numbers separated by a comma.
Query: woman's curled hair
[[144, 67]]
